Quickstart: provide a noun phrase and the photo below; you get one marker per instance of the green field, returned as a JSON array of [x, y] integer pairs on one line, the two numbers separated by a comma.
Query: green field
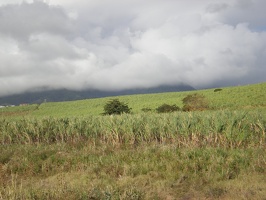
[[68, 150], [242, 97]]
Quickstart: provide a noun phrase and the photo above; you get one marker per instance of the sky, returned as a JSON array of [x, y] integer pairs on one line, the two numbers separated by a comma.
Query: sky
[[123, 44]]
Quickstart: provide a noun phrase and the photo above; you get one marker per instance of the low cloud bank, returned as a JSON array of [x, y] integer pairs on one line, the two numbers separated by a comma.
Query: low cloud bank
[[130, 44]]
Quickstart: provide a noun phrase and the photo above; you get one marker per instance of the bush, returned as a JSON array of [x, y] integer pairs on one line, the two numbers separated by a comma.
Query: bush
[[146, 109], [218, 90], [167, 108], [195, 102], [115, 107]]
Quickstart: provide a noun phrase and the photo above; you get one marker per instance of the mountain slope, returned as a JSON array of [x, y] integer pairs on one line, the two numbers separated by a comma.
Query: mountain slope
[[70, 95]]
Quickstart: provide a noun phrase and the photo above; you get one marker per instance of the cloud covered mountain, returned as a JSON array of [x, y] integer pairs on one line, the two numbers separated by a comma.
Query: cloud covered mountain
[[69, 95]]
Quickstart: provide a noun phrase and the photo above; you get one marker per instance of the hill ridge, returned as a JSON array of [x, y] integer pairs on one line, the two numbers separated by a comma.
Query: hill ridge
[[71, 95]]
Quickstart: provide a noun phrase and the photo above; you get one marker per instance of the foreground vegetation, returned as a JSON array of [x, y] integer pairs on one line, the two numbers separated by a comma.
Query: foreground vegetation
[[88, 171], [227, 129], [219, 153]]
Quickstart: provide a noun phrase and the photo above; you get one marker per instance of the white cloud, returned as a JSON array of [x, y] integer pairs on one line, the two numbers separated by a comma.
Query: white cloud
[[119, 44]]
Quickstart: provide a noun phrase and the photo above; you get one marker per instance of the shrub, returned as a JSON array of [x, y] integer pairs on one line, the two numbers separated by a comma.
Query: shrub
[[146, 109], [195, 102], [167, 108], [115, 107], [218, 90]]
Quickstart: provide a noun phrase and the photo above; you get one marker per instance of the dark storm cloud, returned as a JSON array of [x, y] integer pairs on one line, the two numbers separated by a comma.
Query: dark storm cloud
[[22, 20], [121, 44]]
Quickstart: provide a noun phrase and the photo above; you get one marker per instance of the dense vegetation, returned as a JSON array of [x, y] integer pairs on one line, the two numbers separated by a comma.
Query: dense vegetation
[[194, 102], [68, 150], [197, 129], [165, 108], [116, 107]]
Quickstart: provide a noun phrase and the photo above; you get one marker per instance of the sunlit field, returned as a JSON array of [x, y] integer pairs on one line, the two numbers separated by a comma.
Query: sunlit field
[[69, 150]]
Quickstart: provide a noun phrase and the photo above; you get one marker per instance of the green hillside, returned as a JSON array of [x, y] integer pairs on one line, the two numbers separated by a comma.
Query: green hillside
[[238, 97]]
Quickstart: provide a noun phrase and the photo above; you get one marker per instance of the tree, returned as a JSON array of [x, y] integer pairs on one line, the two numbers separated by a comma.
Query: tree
[[195, 102], [167, 108], [115, 107]]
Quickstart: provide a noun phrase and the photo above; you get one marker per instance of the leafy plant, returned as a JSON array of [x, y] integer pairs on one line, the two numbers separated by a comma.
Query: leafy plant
[[146, 109], [195, 102], [167, 108], [115, 107], [218, 90]]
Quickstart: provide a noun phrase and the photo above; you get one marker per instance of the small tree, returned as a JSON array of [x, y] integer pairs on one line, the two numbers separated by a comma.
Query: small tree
[[195, 102], [167, 108], [115, 107]]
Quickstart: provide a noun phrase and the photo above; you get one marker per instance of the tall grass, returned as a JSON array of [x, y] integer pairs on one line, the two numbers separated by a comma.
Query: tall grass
[[229, 129]]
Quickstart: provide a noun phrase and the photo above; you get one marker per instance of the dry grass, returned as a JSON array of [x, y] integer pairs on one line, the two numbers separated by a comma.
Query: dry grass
[[153, 171]]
